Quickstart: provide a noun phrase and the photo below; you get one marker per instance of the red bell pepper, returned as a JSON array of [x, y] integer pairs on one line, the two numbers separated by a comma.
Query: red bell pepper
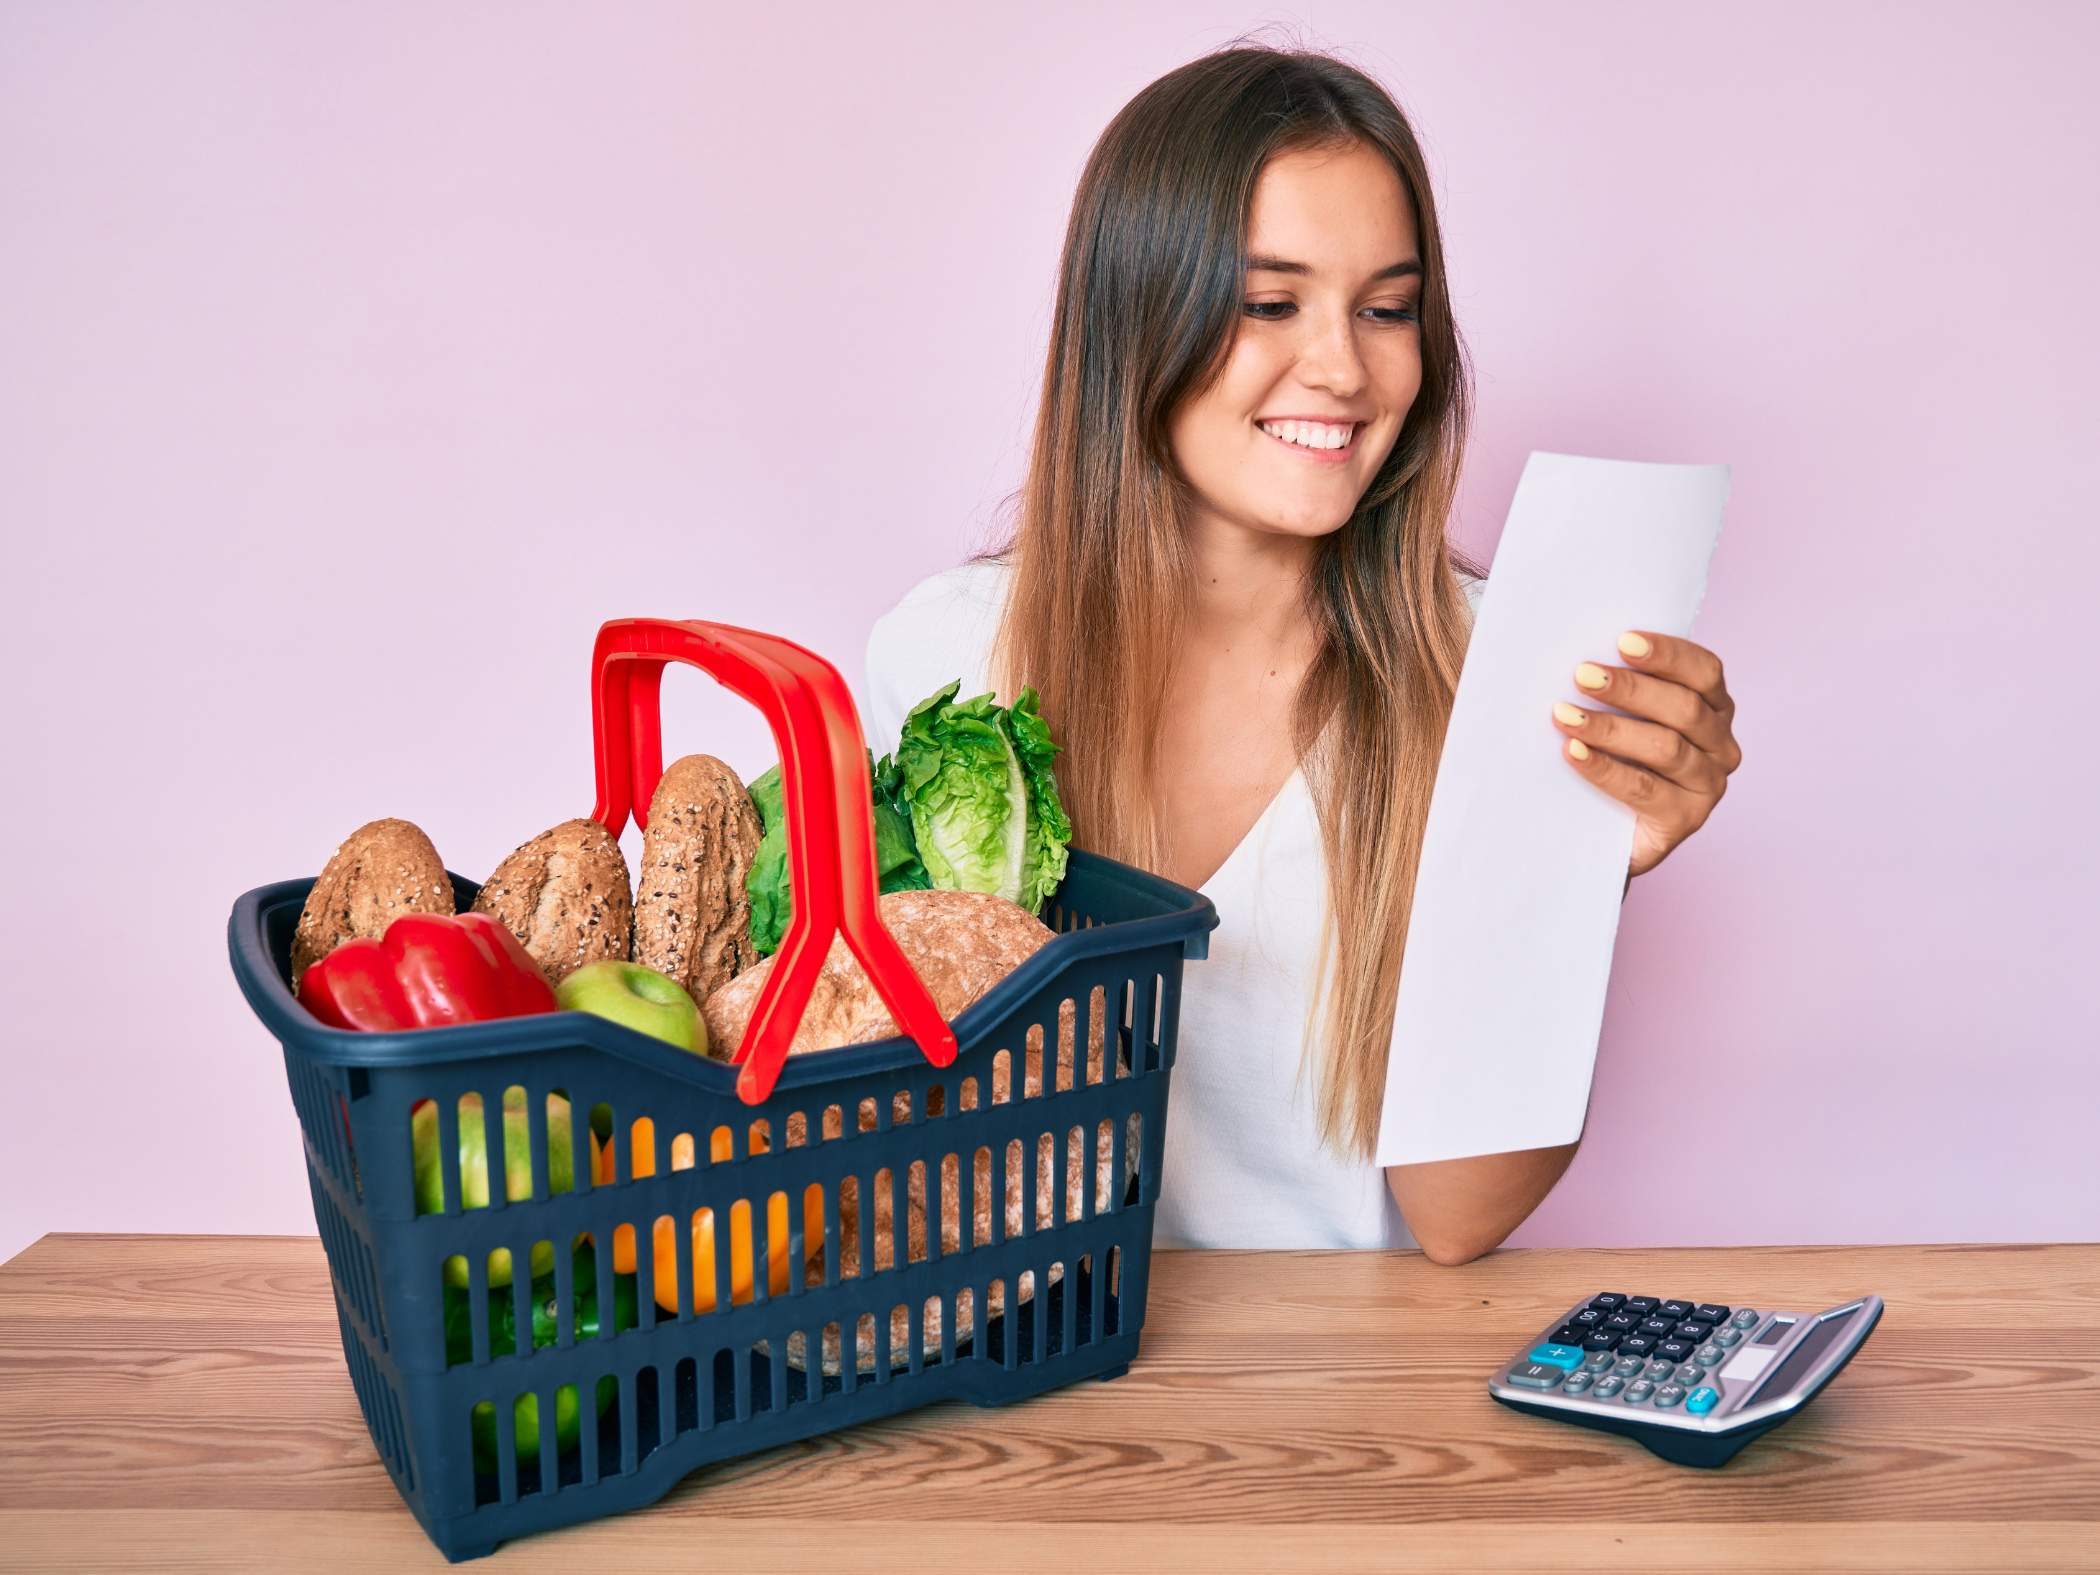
[[429, 970]]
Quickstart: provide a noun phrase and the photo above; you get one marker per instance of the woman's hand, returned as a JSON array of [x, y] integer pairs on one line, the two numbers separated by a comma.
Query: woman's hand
[[1670, 759]]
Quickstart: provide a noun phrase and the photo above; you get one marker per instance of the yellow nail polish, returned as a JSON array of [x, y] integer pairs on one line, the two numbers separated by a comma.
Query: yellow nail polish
[[1567, 713], [1590, 675], [1633, 644], [1578, 749]]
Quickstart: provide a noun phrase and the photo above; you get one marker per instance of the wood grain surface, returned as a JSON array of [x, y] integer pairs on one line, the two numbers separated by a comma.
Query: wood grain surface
[[181, 1403]]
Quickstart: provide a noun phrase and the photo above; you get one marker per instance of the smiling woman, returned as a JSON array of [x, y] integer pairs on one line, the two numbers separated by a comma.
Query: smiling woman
[[1231, 585]]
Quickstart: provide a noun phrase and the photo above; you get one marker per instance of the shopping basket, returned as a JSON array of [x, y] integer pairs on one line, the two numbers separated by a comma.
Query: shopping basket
[[441, 1353]]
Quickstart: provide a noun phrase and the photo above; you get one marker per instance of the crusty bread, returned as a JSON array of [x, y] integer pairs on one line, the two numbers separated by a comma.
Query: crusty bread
[[692, 915], [961, 944], [383, 869], [566, 897]]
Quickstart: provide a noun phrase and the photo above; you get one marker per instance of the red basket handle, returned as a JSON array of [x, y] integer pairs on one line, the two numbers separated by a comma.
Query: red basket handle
[[826, 797]]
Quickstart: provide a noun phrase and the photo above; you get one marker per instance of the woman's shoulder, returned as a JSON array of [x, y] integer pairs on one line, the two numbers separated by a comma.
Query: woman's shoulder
[[978, 585]]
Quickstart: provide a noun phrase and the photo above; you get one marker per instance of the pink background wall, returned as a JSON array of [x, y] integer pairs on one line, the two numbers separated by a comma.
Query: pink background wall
[[359, 361]]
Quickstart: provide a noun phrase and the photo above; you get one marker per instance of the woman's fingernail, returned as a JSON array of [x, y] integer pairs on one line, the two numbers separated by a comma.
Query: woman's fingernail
[[1633, 644], [1591, 676], [1567, 713], [1578, 749]]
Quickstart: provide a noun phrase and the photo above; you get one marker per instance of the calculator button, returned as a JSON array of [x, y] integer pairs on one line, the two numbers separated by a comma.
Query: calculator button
[[1555, 1355], [1576, 1382], [1638, 1391], [1674, 1309], [1661, 1328], [1609, 1386], [1669, 1394], [1587, 1317], [1607, 1301], [1627, 1367], [1702, 1400], [1636, 1345], [1708, 1355], [1660, 1369], [1598, 1362], [1675, 1350], [1602, 1340], [1746, 1318], [1535, 1375], [1639, 1306], [1693, 1330], [1568, 1334], [1725, 1338], [1624, 1323], [1710, 1312], [1689, 1373]]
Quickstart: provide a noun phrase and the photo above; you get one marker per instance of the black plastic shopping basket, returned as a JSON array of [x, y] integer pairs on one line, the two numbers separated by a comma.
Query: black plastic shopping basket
[[449, 1334]]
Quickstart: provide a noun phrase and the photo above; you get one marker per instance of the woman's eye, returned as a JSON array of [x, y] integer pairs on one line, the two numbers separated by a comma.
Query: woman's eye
[[1273, 312]]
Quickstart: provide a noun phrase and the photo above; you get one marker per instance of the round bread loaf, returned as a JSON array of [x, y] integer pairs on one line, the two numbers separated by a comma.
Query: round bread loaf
[[692, 915], [383, 869], [566, 897], [961, 944]]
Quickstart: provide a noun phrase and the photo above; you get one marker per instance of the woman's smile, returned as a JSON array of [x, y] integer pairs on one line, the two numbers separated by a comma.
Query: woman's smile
[[1293, 435]]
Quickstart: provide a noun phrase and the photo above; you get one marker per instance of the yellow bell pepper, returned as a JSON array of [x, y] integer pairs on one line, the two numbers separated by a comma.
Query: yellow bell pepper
[[663, 1243]]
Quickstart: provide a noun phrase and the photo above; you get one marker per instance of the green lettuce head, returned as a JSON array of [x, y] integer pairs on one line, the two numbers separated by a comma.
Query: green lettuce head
[[976, 780]]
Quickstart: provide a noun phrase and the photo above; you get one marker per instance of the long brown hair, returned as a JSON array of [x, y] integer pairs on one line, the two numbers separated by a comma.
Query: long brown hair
[[1148, 303]]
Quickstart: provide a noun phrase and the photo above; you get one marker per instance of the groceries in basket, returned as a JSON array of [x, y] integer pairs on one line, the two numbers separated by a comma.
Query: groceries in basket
[[970, 839], [967, 803], [542, 1321]]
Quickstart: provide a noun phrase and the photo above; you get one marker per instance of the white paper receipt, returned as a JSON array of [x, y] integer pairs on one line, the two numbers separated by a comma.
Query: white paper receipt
[[1516, 904]]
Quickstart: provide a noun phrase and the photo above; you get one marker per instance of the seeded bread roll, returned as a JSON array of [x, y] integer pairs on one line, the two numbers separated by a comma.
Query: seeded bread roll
[[383, 869], [692, 915], [566, 897], [961, 944]]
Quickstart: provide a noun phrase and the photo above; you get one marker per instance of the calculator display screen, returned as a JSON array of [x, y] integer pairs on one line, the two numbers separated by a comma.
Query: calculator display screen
[[1813, 1344]]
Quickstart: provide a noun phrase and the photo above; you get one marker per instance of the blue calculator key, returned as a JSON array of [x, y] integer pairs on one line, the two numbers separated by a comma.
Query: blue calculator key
[[1701, 1400], [1565, 1357]]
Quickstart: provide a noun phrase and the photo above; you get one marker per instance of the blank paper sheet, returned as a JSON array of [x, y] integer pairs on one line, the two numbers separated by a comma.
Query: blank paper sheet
[[1516, 905]]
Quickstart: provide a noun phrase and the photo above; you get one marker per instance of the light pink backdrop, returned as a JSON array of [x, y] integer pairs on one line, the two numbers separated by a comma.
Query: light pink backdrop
[[356, 362]]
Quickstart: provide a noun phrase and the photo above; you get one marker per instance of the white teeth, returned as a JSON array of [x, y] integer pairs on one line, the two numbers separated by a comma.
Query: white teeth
[[1309, 434]]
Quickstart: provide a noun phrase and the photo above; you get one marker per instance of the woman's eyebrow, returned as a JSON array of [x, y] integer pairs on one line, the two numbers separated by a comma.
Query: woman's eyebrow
[[1399, 270]]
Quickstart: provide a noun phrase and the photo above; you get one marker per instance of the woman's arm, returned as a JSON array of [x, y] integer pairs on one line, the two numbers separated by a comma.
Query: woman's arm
[[1460, 1209]]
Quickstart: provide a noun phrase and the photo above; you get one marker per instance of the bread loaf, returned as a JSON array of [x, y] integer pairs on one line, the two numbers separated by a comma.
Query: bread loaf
[[692, 915], [383, 869], [566, 897], [961, 944]]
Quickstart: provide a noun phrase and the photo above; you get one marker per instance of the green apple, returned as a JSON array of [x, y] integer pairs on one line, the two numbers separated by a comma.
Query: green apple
[[641, 998], [474, 1169]]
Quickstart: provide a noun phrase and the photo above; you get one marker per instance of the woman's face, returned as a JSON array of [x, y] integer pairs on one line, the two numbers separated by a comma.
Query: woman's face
[[1327, 336]]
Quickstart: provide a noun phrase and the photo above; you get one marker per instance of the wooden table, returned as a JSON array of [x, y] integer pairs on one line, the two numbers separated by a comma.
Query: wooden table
[[179, 1403]]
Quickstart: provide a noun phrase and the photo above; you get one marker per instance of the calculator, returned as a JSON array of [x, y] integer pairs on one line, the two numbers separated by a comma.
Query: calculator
[[1694, 1381]]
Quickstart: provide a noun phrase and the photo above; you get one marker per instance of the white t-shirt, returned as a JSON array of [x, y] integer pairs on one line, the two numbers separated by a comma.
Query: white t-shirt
[[1244, 1164]]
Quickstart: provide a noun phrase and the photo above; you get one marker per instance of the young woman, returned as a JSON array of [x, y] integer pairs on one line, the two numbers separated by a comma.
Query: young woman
[[1231, 585]]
